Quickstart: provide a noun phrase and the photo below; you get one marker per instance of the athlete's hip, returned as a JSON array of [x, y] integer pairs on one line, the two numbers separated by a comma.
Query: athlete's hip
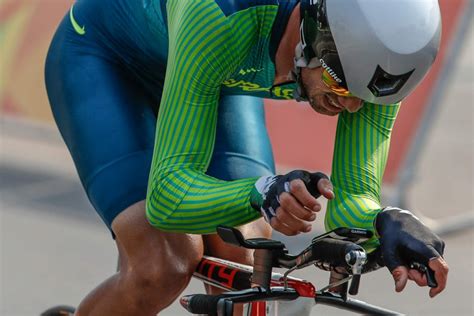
[[132, 31], [118, 32]]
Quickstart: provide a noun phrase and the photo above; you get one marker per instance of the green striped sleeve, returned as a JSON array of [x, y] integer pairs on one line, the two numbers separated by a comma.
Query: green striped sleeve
[[203, 51], [360, 156]]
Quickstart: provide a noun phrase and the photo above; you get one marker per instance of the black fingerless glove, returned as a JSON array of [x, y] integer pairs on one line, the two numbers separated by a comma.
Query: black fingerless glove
[[404, 239], [265, 194]]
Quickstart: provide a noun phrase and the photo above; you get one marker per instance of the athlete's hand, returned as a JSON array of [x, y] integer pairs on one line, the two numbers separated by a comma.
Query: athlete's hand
[[289, 202], [402, 274], [404, 240]]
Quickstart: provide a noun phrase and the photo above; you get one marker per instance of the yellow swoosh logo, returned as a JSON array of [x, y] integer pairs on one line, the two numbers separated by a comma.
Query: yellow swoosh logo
[[81, 30]]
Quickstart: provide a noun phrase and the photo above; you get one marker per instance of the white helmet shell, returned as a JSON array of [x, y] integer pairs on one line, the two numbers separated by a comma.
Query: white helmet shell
[[385, 47], [399, 36]]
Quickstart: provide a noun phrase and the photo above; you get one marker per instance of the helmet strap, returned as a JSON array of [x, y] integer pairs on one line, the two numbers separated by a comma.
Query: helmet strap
[[301, 62]]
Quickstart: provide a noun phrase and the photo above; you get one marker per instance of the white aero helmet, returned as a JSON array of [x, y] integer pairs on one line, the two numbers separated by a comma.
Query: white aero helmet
[[376, 50]]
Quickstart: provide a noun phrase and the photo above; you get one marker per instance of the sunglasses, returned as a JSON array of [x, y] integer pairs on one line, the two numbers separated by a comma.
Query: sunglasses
[[334, 86]]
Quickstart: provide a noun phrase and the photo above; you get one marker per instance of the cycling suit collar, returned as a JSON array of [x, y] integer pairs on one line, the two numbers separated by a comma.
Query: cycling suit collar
[[285, 8]]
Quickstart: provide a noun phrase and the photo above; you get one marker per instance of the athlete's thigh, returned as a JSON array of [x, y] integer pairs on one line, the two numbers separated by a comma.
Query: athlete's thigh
[[242, 147], [106, 121]]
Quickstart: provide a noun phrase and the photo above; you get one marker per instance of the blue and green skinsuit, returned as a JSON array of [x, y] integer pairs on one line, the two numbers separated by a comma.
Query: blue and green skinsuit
[[188, 56]]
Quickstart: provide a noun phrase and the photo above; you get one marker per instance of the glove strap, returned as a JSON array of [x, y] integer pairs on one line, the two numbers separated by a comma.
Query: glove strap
[[259, 194]]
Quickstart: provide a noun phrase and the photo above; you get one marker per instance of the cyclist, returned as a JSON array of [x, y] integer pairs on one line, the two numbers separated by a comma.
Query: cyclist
[[193, 73]]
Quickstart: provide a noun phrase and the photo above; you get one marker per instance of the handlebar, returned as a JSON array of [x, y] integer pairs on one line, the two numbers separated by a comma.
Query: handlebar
[[430, 275], [330, 254], [328, 251], [336, 251]]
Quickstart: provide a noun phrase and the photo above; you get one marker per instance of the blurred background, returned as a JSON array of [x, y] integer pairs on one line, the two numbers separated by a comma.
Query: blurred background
[[54, 248]]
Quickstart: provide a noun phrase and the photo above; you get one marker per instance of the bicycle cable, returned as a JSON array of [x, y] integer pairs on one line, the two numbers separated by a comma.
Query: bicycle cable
[[331, 285]]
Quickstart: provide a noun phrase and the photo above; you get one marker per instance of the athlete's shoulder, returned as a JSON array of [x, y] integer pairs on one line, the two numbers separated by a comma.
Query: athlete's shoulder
[[230, 7]]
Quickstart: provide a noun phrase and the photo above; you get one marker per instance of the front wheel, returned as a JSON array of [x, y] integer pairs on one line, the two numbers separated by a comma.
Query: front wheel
[[61, 310]]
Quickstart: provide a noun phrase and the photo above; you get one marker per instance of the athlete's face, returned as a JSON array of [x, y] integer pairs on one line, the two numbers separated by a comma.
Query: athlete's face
[[322, 99]]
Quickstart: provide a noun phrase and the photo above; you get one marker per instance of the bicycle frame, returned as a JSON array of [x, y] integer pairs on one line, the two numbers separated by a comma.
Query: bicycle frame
[[298, 299]]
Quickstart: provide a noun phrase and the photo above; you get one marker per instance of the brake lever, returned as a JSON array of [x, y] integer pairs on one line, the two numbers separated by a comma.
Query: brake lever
[[430, 275]]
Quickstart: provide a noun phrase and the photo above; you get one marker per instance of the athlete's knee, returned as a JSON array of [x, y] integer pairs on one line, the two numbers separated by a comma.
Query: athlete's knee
[[162, 261], [158, 265], [158, 282]]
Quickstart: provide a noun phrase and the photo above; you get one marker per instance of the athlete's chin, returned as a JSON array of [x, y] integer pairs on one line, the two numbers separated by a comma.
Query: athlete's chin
[[320, 104], [327, 113]]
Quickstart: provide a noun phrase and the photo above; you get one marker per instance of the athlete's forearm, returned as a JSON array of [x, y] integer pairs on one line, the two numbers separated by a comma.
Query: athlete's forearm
[[360, 156], [191, 202], [180, 196]]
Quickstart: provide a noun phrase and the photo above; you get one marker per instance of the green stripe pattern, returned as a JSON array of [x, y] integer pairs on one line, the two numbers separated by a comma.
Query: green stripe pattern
[[360, 156], [205, 48]]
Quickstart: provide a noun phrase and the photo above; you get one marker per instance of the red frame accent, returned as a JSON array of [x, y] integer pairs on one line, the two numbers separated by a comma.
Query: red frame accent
[[259, 309], [229, 277], [304, 288]]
